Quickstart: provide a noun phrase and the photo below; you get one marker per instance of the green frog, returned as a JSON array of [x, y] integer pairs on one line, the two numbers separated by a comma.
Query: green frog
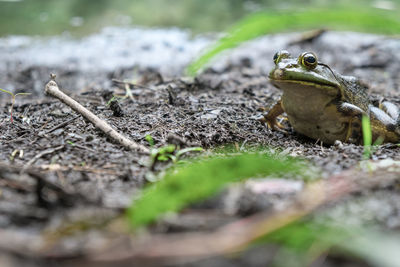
[[326, 106]]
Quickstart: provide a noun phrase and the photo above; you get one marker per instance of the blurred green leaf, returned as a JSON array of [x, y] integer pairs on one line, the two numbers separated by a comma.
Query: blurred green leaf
[[377, 247], [258, 24], [308, 239], [200, 179]]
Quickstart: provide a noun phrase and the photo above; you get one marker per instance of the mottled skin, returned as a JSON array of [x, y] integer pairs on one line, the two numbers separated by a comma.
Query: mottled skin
[[324, 105]]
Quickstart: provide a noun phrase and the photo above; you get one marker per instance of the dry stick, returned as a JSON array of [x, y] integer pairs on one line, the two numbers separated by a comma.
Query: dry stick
[[63, 124], [41, 154], [53, 90]]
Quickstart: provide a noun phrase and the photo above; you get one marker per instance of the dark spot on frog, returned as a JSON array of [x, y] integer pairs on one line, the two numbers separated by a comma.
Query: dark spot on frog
[[318, 127], [327, 132], [390, 127]]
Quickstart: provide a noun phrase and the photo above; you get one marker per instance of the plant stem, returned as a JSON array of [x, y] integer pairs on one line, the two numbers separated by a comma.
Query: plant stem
[[12, 108]]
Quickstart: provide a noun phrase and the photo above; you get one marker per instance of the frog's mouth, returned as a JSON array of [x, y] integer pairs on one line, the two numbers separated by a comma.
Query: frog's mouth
[[300, 85], [297, 80]]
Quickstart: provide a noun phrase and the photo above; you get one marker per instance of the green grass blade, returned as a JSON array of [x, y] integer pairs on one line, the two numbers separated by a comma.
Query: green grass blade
[[201, 179], [258, 24], [8, 92], [22, 94], [367, 136], [188, 149]]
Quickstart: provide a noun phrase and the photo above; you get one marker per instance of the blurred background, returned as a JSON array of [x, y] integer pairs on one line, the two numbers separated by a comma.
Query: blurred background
[[173, 37], [78, 18]]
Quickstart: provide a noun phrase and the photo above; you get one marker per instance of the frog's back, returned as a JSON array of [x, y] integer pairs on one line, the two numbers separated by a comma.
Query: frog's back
[[354, 92]]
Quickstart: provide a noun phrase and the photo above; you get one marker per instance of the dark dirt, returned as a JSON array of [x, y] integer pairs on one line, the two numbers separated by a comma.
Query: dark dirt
[[73, 173]]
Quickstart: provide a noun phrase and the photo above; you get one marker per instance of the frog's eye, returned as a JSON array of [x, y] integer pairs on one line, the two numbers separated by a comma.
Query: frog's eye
[[309, 60], [279, 55], [276, 56]]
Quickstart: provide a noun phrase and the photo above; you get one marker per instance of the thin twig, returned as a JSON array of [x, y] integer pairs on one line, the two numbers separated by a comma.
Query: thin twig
[[130, 84], [53, 90], [61, 125], [41, 154]]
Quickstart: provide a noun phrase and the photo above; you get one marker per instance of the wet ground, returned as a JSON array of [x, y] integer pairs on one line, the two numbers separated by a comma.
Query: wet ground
[[73, 173]]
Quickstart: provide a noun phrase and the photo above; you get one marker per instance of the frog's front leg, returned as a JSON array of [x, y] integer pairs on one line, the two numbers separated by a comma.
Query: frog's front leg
[[353, 115], [270, 117]]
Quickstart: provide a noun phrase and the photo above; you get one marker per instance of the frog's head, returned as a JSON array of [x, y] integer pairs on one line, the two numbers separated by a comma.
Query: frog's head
[[304, 71]]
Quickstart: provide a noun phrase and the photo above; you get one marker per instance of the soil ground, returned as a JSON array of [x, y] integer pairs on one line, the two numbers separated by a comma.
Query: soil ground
[[73, 173]]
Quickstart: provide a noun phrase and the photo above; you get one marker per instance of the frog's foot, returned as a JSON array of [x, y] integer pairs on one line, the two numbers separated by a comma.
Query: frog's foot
[[270, 118], [354, 131], [354, 115], [274, 124]]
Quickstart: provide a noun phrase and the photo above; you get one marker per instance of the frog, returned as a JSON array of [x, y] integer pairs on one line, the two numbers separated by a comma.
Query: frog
[[324, 105]]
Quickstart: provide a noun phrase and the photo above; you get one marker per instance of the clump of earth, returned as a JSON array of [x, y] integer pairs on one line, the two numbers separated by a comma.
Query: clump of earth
[[73, 171]]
